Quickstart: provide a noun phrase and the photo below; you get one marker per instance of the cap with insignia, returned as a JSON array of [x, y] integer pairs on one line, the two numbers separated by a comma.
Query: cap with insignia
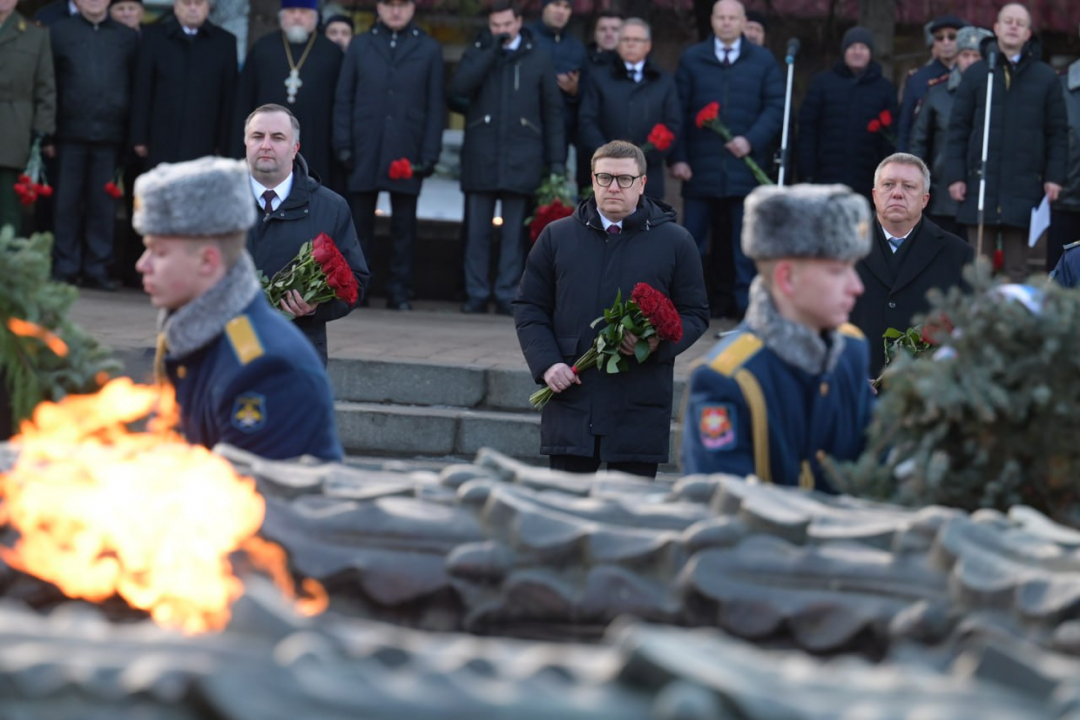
[[970, 37], [199, 198], [825, 222]]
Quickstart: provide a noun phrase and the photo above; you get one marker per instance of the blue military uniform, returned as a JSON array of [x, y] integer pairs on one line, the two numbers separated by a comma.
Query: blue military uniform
[[750, 411], [259, 386], [1067, 271]]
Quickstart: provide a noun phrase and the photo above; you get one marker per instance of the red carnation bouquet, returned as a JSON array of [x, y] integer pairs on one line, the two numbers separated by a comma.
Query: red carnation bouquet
[[553, 202], [878, 125], [400, 169], [709, 117], [115, 187], [319, 273], [646, 314], [32, 183], [660, 138]]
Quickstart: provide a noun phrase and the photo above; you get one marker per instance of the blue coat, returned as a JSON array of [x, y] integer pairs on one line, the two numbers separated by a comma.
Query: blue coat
[[835, 145], [258, 386], [1067, 271], [751, 97], [805, 415]]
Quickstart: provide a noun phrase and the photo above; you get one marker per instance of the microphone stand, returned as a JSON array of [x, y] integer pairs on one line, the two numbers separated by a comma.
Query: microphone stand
[[792, 48], [985, 148]]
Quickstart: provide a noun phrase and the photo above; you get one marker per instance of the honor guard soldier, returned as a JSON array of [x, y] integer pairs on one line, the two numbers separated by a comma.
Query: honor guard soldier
[[790, 383], [243, 374]]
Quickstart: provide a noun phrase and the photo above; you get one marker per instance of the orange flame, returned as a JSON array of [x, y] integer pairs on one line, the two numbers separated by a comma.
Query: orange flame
[[102, 510], [25, 328]]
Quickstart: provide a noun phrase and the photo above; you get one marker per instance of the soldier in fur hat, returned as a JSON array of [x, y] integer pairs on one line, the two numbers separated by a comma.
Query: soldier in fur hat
[[243, 374], [790, 383]]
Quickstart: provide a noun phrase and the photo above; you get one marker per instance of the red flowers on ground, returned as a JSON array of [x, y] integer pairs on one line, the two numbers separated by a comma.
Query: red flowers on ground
[[660, 138], [709, 117], [319, 272], [400, 169], [647, 314]]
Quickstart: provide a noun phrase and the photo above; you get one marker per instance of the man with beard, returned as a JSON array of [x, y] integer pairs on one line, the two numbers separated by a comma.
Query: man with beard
[[296, 67], [390, 106], [294, 209]]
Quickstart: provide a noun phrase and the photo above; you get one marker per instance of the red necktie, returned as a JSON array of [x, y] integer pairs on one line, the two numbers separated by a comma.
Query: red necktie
[[614, 229]]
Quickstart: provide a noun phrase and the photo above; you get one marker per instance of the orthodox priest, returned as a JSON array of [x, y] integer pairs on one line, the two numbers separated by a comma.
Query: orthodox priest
[[298, 68]]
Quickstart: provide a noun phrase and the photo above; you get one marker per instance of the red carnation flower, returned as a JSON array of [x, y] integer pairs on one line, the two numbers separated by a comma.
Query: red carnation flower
[[660, 137], [401, 169], [44, 190], [999, 260], [885, 117], [874, 125], [113, 189], [708, 114]]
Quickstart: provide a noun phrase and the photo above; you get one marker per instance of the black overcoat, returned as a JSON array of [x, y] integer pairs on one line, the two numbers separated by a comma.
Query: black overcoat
[[614, 107], [575, 271], [514, 119], [896, 285], [928, 137], [184, 90], [262, 81], [1029, 141], [389, 106]]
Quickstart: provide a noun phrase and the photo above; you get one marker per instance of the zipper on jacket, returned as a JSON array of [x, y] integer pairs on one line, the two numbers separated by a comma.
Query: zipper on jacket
[[517, 77], [526, 123]]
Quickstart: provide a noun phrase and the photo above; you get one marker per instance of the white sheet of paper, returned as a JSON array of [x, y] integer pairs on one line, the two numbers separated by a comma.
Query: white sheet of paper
[[1040, 220]]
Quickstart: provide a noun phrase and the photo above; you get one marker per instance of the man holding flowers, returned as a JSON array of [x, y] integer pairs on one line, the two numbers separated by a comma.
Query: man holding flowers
[[294, 208], [789, 385], [613, 242]]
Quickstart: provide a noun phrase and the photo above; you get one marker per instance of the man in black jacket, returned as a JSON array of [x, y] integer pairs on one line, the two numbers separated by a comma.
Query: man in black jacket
[[185, 81], [1028, 144], [615, 240], [909, 255], [94, 58], [388, 107], [294, 209], [1065, 213], [513, 131], [626, 99]]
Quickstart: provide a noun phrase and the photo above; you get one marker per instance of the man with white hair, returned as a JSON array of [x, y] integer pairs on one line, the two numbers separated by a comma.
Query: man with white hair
[[296, 67]]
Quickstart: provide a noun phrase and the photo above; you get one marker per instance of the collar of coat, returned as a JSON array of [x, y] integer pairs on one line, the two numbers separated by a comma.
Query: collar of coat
[[380, 28], [198, 323], [649, 71], [173, 28], [304, 184], [797, 345]]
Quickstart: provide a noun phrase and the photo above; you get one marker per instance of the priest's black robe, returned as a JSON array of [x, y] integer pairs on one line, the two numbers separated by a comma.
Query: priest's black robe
[[262, 81]]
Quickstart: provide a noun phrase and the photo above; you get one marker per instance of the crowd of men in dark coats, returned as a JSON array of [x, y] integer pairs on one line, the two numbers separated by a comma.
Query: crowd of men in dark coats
[[169, 91]]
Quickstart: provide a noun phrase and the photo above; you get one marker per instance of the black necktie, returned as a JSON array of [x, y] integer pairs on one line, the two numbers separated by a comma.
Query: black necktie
[[268, 201]]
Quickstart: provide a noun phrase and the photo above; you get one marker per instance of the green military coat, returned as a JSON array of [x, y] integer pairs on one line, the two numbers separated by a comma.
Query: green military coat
[[27, 88]]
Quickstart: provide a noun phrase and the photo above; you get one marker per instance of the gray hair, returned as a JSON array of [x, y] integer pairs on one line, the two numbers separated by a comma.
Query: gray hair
[[639, 23], [902, 158]]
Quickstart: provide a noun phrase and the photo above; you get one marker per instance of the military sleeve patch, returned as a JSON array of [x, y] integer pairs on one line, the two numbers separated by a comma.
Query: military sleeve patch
[[249, 412], [717, 427]]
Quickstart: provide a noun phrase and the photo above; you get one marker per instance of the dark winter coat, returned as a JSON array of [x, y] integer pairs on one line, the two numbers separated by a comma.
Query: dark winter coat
[[896, 284], [751, 97], [53, 13], [275, 239], [572, 274], [1029, 141], [915, 88], [513, 124], [835, 144], [928, 140], [1069, 200], [27, 90], [94, 65], [389, 105], [262, 81], [568, 54], [614, 107], [184, 91]]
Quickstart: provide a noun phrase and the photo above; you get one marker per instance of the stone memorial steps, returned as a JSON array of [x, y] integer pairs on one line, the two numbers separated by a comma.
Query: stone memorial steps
[[432, 410]]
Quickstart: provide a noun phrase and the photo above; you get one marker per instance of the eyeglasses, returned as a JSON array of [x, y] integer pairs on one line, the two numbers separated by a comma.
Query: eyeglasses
[[625, 181], [633, 40], [945, 36]]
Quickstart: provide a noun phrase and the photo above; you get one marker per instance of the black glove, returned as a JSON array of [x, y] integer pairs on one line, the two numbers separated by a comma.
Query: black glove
[[558, 169], [423, 170], [344, 157], [501, 39]]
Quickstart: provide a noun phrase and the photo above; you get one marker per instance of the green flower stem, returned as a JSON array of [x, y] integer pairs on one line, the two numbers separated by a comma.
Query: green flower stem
[[759, 174]]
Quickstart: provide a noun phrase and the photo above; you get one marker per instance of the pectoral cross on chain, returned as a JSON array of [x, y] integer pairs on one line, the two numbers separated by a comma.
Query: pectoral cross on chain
[[292, 85]]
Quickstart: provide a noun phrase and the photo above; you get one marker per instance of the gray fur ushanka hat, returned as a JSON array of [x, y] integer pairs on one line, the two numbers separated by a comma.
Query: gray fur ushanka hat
[[824, 222], [199, 198]]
